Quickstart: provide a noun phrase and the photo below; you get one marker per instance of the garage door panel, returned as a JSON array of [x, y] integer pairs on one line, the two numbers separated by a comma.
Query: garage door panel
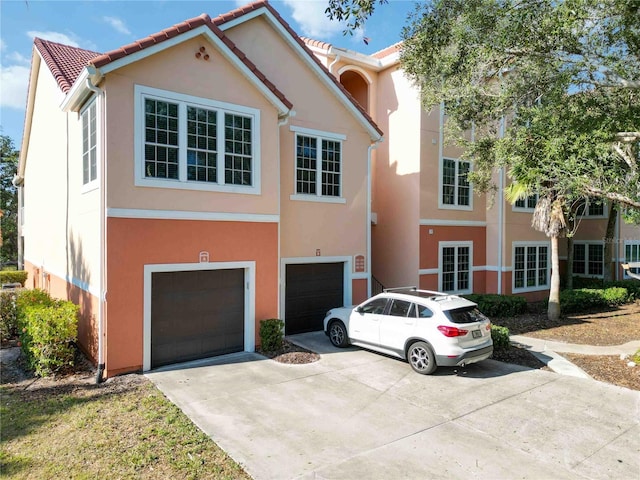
[[311, 290], [196, 314]]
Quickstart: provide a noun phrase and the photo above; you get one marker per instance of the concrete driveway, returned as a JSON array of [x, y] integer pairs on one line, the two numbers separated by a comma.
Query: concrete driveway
[[360, 415]]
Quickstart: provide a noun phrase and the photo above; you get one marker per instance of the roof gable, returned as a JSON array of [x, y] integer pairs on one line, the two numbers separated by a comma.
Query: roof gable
[[64, 62]]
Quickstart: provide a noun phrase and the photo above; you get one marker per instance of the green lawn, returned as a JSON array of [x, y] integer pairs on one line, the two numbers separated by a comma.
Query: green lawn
[[84, 431]]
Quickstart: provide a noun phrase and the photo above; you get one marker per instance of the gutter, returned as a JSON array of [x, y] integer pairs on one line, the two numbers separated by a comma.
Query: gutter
[[102, 105], [500, 216], [372, 147]]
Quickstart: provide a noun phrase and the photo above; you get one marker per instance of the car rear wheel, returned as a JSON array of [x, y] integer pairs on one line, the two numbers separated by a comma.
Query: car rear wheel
[[338, 334], [421, 358]]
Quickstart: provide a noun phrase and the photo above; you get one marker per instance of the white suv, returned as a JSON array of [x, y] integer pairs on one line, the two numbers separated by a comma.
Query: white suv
[[428, 329]]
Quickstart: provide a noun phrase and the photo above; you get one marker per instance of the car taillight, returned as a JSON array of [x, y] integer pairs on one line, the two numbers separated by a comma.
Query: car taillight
[[452, 331], [488, 326]]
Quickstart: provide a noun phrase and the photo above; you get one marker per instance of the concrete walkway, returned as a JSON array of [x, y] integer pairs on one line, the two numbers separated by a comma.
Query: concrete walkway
[[548, 352]]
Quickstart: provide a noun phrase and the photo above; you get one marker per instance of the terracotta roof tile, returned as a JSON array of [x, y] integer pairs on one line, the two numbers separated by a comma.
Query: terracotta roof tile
[[263, 3], [64, 62], [385, 52], [316, 43]]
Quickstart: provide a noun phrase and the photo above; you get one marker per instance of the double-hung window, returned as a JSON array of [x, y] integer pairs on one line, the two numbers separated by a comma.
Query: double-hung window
[[592, 208], [454, 183], [588, 259], [531, 267], [89, 144], [318, 165], [527, 204], [196, 143], [632, 254], [455, 272]]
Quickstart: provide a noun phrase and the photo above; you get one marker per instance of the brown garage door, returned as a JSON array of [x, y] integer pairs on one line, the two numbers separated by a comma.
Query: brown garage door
[[196, 314], [311, 290]]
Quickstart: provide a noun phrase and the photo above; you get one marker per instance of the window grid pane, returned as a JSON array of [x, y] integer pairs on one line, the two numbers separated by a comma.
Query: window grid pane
[[596, 259], [530, 266], [519, 267], [463, 183], [579, 256], [306, 165], [330, 168], [89, 145], [238, 150], [448, 181], [202, 158], [161, 139], [448, 269]]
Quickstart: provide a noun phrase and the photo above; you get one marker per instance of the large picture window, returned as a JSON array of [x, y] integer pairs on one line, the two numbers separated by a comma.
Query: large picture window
[[195, 143], [632, 254], [456, 267], [530, 267], [455, 187], [588, 259], [89, 144]]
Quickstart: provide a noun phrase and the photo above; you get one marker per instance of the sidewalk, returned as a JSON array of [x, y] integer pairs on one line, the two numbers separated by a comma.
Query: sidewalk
[[548, 351]]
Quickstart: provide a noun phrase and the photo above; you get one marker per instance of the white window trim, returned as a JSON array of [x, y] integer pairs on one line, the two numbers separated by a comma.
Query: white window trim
[[605, 212], [586, 258], [249, 299], [141, 92], [624, 255], [525, 209], [537, 288], [93, 184], [441, 204], [319, 135], [442, 245]]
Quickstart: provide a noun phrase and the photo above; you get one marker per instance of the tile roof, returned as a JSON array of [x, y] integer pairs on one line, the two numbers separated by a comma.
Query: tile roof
[[385, 52], [64, 62], [316, 43]]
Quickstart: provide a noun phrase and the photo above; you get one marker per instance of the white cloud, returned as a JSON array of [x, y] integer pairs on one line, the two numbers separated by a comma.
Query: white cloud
[[117, 24], [18, 58], [313, 22], [2, 45], [14, 80], [54, 37]]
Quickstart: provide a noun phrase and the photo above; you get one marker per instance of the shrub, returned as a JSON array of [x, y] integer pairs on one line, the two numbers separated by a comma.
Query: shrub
[[580, 300], [16, 276], [8, 314], [500, 337], [28, 298], [632, 286], [494, 305], [48, 336], [271, 334]]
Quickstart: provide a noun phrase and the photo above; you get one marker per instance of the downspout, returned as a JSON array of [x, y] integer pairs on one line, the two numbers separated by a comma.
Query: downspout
[[282, 121], [372, 147], [500, 216], [618, 244], [331, 65], [102, 104]]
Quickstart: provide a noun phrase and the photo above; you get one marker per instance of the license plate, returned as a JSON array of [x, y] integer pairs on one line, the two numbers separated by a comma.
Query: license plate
[[476, 333]]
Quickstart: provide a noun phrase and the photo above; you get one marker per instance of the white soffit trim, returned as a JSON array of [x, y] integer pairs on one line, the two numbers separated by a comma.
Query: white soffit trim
[[205, 31], [322, 75], [186, 215], [452, 223]]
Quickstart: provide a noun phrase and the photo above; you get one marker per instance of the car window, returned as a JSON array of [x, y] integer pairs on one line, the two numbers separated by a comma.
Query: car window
[[400, 308], [424, 312], [375, 307], [465, 315]]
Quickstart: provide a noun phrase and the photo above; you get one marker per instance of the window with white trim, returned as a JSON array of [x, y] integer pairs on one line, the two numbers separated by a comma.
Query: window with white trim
[[632, 254], [530, 267], [528, 203], [588, 259], [89, 144], [591, 208], [456, 190], [318, 166], [456, 267], [196, 143]]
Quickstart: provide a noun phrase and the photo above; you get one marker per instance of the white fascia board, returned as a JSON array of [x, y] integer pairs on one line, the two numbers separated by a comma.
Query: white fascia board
[[28, 119], [321, 74], [390, 60]]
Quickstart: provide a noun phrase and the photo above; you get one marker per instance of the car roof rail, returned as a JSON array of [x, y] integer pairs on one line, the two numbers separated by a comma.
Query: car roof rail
[[399, 289]]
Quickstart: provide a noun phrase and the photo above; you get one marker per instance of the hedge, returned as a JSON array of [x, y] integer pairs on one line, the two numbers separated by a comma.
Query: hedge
[[494, 305], [13, 276], [8, 315], [500, 337], [48, 336], [271, 334], [582, 299], [632, 286]]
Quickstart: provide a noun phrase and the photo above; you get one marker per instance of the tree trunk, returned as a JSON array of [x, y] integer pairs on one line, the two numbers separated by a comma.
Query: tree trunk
[[553, 311], [609, 246], [569, 273]]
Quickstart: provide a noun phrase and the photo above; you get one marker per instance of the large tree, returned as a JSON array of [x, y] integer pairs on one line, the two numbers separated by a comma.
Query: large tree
[[8, 200], [551, 88]]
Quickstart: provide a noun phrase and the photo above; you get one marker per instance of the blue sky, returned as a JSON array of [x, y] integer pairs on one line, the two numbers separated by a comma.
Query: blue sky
[[102, 25]]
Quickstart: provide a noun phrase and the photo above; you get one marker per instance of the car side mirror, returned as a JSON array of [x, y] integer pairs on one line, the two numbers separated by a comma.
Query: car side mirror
[[359, 309]]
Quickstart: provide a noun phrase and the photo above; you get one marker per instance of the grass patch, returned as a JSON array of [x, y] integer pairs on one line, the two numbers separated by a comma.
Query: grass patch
[[88, 431]]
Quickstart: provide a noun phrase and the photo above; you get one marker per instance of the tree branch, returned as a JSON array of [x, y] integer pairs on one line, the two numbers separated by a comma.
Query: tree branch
[[616, 197]]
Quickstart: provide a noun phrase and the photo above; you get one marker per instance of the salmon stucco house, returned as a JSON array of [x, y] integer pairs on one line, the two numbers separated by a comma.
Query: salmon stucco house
[[186, 186]]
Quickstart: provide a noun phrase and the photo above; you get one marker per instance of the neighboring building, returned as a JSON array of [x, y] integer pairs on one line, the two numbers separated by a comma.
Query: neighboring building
[[224, 171], [184, 187], [430, 228]]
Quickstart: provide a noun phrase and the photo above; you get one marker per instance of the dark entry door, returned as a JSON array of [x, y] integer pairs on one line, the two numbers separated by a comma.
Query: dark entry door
[[196, 314], [311, 290]]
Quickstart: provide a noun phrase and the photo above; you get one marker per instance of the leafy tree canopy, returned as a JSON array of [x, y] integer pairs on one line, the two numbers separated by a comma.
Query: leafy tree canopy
[[8, 200]]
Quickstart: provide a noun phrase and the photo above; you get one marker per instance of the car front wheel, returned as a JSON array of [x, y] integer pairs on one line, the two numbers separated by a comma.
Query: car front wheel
[[338, 334], [421, 358]]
